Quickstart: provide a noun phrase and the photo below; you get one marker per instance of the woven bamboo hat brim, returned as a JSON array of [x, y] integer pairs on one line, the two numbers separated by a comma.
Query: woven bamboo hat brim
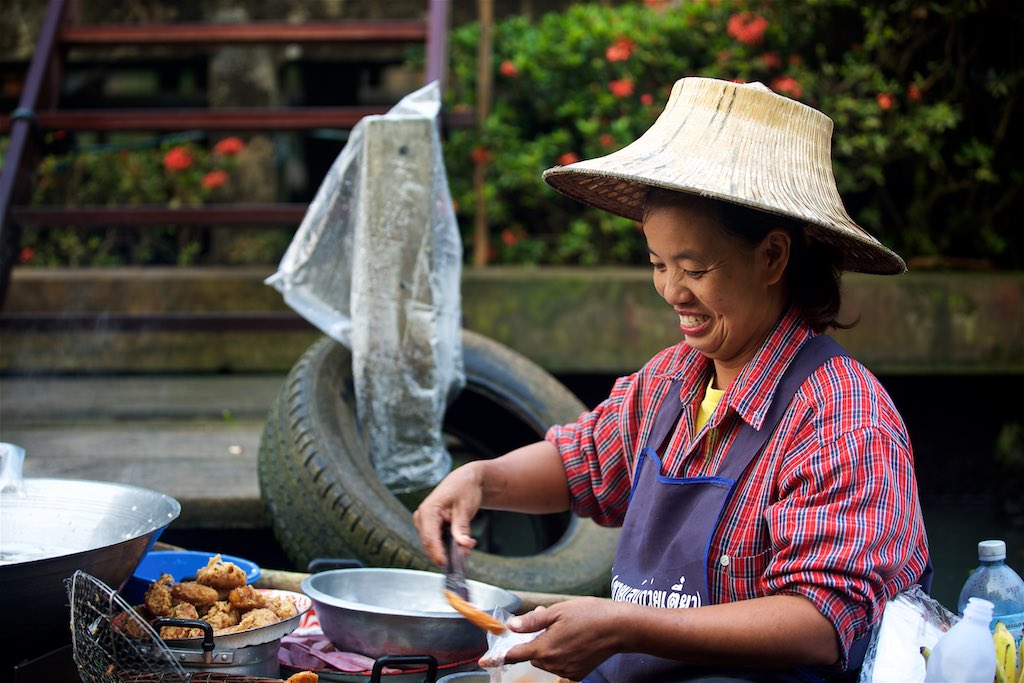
[[740, 143]]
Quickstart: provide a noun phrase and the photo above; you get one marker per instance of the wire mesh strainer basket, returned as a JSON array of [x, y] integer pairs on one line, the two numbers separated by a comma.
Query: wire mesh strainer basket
[[112, 643]]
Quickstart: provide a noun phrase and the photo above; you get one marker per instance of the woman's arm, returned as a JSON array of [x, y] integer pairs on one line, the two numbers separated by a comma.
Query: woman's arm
[[530, 479], [778, 631]]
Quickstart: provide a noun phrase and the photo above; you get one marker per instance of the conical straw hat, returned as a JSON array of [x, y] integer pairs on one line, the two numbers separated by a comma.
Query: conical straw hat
[[740, 143]]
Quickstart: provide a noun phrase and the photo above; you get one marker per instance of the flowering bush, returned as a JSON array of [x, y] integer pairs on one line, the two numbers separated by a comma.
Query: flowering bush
[[174, 174], [922, 128]]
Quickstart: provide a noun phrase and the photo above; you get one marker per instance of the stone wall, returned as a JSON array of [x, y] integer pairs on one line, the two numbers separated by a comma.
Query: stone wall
[[570, 321]]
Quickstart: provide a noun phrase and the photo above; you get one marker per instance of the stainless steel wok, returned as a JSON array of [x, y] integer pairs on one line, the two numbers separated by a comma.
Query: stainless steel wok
[[384, 611], [51, 527]]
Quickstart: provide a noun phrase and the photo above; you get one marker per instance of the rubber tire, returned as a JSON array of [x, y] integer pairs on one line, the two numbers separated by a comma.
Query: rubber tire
[[325, 500]]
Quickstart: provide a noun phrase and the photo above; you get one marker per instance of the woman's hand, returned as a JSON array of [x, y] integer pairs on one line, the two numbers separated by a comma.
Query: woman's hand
[[454, 501], [580, 634], [529, 479], [774, 632]]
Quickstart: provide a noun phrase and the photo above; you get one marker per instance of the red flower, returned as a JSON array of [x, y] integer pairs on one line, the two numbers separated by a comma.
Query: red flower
[[621, 88], [771, 60], [229, 146], [509, 237], [26, 254], [620, 51], [913, 92], [566, 158], [795, 60], [884, 100], [747, 27], [787, 85], [508, 69], [606, 140], [178, 159], [214, 179], [480, 155], [647, 99]]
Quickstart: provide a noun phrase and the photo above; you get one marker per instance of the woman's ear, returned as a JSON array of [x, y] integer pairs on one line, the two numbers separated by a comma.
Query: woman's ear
[[774, 254]]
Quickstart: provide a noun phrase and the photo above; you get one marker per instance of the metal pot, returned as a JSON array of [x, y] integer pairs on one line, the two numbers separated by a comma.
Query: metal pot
[[252, 653], [51, 527], [375, 612], [466, 677]]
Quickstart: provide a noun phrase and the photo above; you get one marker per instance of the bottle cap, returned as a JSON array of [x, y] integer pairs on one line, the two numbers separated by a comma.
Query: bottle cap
[[979, 608], [992, 550]]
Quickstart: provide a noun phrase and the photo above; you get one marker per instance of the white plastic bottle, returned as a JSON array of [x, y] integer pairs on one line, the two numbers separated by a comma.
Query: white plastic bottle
[[964, 653], [995, 581]]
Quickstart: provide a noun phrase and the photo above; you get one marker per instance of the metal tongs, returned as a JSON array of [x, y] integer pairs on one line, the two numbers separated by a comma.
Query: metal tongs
[[455, 573]]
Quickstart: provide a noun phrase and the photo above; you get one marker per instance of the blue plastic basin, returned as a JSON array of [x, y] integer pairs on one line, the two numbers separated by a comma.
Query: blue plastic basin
[[181, 564]]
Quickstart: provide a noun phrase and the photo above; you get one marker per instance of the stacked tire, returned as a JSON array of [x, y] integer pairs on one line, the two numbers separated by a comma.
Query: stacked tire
[[324, 499]]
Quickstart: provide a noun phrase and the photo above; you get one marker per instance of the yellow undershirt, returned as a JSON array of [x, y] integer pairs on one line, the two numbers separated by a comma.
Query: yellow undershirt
[[708, 404]]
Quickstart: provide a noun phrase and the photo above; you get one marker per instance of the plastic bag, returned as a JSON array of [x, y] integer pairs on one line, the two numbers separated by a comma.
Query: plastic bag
[[499, 644], [910, 620], [376, 265]]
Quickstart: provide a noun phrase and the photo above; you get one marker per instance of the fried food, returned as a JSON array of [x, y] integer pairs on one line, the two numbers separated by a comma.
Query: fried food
[[222, 615], [475, 615], [254, 618], [220, 597], [303, 677], [220, 574], [194, 593], [158, 597], [130, 623], [282, 607], [182, 610], [245, 598]]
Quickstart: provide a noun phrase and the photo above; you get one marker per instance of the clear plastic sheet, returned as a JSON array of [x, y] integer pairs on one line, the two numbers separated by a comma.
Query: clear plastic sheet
[[376, 265], [499, 644], [910, 621]]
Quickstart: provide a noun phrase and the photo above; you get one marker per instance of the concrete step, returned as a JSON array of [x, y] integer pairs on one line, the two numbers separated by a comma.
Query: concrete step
[[195, 438]]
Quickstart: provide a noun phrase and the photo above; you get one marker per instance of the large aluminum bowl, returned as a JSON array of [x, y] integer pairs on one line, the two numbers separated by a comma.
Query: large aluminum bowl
[[380, 611], [49, 528]]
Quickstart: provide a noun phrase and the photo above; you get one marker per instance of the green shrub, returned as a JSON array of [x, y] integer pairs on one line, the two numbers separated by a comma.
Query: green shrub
[[922, 95], [174, 172]]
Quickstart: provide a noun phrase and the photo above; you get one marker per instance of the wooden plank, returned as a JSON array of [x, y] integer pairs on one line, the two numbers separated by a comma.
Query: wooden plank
[[226, 321], [255, 32], [201, 119], [215, 214], [342, 118]]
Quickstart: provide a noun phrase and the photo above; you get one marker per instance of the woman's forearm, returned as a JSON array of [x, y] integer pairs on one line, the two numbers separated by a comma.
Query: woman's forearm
[[530, 479], [777, 630]]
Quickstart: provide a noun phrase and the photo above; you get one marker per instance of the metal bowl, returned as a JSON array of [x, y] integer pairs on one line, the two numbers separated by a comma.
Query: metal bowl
[[51, 527], [379, 611]]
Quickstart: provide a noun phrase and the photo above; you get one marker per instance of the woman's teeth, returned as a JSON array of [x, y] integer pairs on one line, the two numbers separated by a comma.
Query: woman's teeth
[[691, 320]]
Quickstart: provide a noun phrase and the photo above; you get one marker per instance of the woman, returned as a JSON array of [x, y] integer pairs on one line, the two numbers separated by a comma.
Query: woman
[[763, 479]]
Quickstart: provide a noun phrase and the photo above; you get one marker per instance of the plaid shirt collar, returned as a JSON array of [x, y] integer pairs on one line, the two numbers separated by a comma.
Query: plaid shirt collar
[[751, 394]]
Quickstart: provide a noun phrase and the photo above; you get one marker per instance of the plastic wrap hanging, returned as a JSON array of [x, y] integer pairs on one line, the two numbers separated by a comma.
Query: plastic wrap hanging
[[376, 265]]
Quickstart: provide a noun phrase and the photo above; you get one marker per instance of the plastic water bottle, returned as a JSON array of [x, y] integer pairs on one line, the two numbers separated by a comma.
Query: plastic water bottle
[[996, 582], [964, 653]]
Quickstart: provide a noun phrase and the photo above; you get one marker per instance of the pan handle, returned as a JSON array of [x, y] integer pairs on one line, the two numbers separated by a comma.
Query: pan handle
[[399, 660], [188, 623]]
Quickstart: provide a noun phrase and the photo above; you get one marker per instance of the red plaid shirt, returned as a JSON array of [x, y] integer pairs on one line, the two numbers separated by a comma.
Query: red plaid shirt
[[829, 510]]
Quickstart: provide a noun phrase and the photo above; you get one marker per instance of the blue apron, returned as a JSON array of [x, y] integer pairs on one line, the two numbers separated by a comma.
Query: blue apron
[[662, 557]]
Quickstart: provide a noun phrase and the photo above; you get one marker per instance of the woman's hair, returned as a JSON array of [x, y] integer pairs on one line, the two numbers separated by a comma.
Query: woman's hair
[[812, 275]]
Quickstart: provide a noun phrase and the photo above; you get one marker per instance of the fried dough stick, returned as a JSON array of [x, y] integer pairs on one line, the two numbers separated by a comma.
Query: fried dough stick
[[475, 615]]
